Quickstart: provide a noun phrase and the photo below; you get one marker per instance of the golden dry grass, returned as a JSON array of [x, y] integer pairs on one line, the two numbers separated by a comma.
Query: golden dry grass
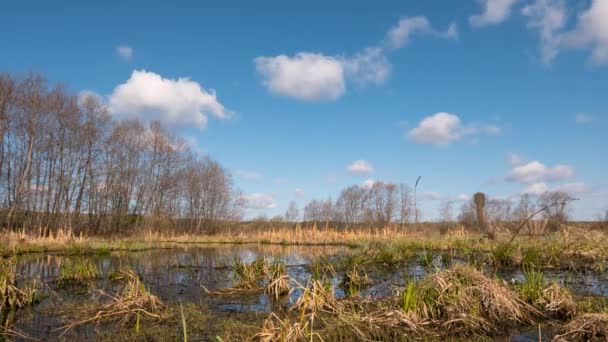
[[587, 327]]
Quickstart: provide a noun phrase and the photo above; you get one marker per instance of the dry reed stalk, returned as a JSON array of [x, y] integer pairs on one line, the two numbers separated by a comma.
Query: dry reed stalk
[[557, 302], [11, 296], [587, 327], [132, 301], [274, 329]]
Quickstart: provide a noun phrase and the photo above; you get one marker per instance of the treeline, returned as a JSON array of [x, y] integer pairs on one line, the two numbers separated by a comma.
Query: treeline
[[379, 204], [64, 163], [385, 204]]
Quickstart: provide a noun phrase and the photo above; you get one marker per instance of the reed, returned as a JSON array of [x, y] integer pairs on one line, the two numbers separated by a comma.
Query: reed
[[13, 297]]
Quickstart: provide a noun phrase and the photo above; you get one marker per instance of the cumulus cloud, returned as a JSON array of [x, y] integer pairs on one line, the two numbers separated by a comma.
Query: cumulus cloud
[[537, 189], [249, 175], [400, 34], [259, 201], [175, 102], [535, 172], [591, 31], [312, 76], [360, 167], [494, 12], [125, 52], [444, 128], [368, 184], [86, 95], [300, 193], [547, 17], [369, 66], [463, 197], [572, 188], [583, 118], [305, 76]]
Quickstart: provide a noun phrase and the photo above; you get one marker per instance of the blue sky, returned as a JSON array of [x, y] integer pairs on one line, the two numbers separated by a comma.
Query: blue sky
[[500, 96]]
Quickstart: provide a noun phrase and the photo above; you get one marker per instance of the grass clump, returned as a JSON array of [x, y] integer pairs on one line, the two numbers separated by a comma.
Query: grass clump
[[587, 327], [79, 270], [355, 280], [552, 299], [532, 287], [248, 276], [463, 301], [11, 296], [277, 279], [132, 301], [284, 330]]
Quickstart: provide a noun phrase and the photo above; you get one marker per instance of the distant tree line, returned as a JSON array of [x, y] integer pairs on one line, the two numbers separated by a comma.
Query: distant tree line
[[388, 204], [64, 163]]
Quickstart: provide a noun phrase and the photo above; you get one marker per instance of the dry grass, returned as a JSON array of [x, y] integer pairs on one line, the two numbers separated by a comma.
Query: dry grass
[[464, 301], [278, 280], [557, 302], [577, 241], [11, 296], [587, 327], [275, 329], [133, 300]]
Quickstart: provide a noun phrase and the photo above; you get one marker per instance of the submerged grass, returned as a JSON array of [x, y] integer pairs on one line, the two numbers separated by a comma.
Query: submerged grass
[[79, 270], [354, 281]]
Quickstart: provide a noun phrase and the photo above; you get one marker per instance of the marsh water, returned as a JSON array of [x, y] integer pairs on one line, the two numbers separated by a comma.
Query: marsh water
[[186, 275]]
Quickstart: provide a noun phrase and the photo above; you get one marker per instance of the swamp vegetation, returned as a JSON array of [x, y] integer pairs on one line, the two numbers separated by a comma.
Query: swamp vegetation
[[455, 286]]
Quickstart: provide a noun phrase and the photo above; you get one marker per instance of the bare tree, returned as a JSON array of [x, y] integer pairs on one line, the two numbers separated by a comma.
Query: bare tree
[[292, 214], [446, 211], [555, 214], [65, 164], [405, 203]]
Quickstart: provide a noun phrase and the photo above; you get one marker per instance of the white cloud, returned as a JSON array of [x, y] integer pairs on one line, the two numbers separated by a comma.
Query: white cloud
[[463, 197], [400, 34], [572, 188], [444, 128], [125, 52], [536, 189], [312, 76], [259, 201], [591, 31], [175, 102], [86, 94], [540, 188], [249, 175], [536, 171], [305, 76], [368, 184], [494, 12], [360, 167], [514, 159], [548, 17], [367, 66], [193, 144], [298, 192], [583, 118]]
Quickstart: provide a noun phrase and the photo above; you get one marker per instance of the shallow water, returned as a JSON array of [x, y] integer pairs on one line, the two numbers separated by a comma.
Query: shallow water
[[182, 275]]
